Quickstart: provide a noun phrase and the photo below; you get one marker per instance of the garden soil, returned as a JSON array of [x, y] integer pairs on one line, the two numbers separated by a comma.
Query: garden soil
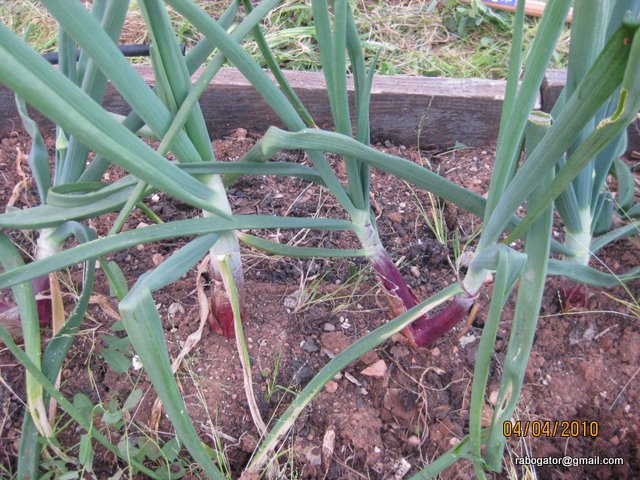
[[394, 410]]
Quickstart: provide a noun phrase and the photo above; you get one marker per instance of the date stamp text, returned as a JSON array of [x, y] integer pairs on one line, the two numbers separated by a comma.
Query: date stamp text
[[551, 428]]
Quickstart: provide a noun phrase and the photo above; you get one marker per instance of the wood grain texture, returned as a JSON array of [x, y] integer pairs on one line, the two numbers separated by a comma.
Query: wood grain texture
[[442, 110], [405, 110], [552, 85]]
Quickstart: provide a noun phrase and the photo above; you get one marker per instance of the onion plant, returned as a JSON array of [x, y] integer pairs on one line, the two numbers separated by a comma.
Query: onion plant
[[586, 207], [70, 160], [70, 97], [563, 143], [584, 131], [336, 44]]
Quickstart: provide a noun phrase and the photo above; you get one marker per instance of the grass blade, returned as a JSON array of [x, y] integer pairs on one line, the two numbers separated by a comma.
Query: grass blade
[[172, 63], [93, 82], [363, 82], [626, 184], [604, 161], [198, 55], [607, 130], [65, 204], [263, 84], [29, 449], [602, 241], [133, 122], [588, 36], [276, 139], [461, 451], [273, 66], [501, 290], [87, 32], [241, 344], [191, 99], [590, 276], [333, 56]]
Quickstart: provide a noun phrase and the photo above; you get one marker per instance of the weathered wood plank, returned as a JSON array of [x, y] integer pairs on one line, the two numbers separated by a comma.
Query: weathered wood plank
[[553, 84], [442, 110], [405, 110]]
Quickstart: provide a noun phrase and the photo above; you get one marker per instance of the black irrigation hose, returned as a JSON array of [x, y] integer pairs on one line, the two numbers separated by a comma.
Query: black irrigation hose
[[140, 50]]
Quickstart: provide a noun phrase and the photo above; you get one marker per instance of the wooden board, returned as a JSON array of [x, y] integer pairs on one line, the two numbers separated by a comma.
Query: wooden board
[[405, 110], [534, 8], [442, 110]]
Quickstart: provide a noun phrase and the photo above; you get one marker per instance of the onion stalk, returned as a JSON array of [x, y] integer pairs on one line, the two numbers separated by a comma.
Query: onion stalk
[[586, 207], [425, 330]]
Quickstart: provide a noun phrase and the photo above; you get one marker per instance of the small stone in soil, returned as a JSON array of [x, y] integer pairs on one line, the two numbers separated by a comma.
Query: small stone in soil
[[395, 217], [335, 342], [239, 134], [309, 346], [401, 403], [248, 443], [413, 441], [331, 386], [302, 375], [175, 308], [157, 259], [329, 327], [377, 369], [590, 333], [466, 340]]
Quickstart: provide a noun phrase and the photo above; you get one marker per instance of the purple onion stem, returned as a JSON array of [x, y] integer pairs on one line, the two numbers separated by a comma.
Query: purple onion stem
[[10, 315], [425, 330]]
